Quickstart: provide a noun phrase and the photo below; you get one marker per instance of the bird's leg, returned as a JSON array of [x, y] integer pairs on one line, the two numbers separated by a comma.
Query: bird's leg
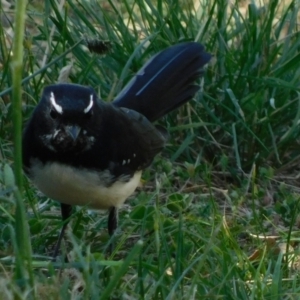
[[66, 212], [112, 224]]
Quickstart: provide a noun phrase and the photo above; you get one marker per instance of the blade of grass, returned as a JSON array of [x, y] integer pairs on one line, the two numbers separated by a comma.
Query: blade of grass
[[43, 69], [114, 281], [23, 246], [236, 148]]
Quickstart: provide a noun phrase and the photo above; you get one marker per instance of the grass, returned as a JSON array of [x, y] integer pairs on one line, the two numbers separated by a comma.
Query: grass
[[217, 216]]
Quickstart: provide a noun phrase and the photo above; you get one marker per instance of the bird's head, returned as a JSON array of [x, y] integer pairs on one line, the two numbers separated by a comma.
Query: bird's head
[[65, 117]]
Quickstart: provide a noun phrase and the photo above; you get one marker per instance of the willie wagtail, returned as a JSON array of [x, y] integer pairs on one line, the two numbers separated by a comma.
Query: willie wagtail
[[80, 150]]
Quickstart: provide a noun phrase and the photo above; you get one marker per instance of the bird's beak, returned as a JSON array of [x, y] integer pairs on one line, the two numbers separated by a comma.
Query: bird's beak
[[73, 131]]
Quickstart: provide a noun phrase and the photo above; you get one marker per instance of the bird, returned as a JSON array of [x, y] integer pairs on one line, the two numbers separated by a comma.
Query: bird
[[81, 150]]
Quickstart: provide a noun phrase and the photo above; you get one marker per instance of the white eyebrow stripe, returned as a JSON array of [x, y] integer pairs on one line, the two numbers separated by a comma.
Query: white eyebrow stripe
[[88, 108], [57, 107]]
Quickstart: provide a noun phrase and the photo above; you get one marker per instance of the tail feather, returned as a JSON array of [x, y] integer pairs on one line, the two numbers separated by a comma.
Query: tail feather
[[165, 82]]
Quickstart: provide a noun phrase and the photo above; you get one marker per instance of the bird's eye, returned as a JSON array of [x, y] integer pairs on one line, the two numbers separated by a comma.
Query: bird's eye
[[53, 114], [88, 115]]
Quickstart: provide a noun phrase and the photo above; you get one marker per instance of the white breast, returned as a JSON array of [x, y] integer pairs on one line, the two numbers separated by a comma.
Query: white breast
[[70, 186]]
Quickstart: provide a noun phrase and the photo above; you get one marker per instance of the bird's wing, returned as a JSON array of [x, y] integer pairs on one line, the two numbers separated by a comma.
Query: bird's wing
[[132, 140]]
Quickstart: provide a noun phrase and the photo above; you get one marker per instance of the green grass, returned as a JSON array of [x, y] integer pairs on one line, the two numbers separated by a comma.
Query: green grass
[[217, 216]]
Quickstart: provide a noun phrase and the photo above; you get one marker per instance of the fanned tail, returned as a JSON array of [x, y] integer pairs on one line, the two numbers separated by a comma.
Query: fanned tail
[[166, 81]]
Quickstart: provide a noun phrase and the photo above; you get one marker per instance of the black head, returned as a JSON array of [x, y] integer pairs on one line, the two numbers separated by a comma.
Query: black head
[[64, 118]]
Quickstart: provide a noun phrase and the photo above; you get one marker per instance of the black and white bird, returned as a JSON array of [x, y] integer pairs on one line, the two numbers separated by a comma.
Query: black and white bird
[[80, 150]]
